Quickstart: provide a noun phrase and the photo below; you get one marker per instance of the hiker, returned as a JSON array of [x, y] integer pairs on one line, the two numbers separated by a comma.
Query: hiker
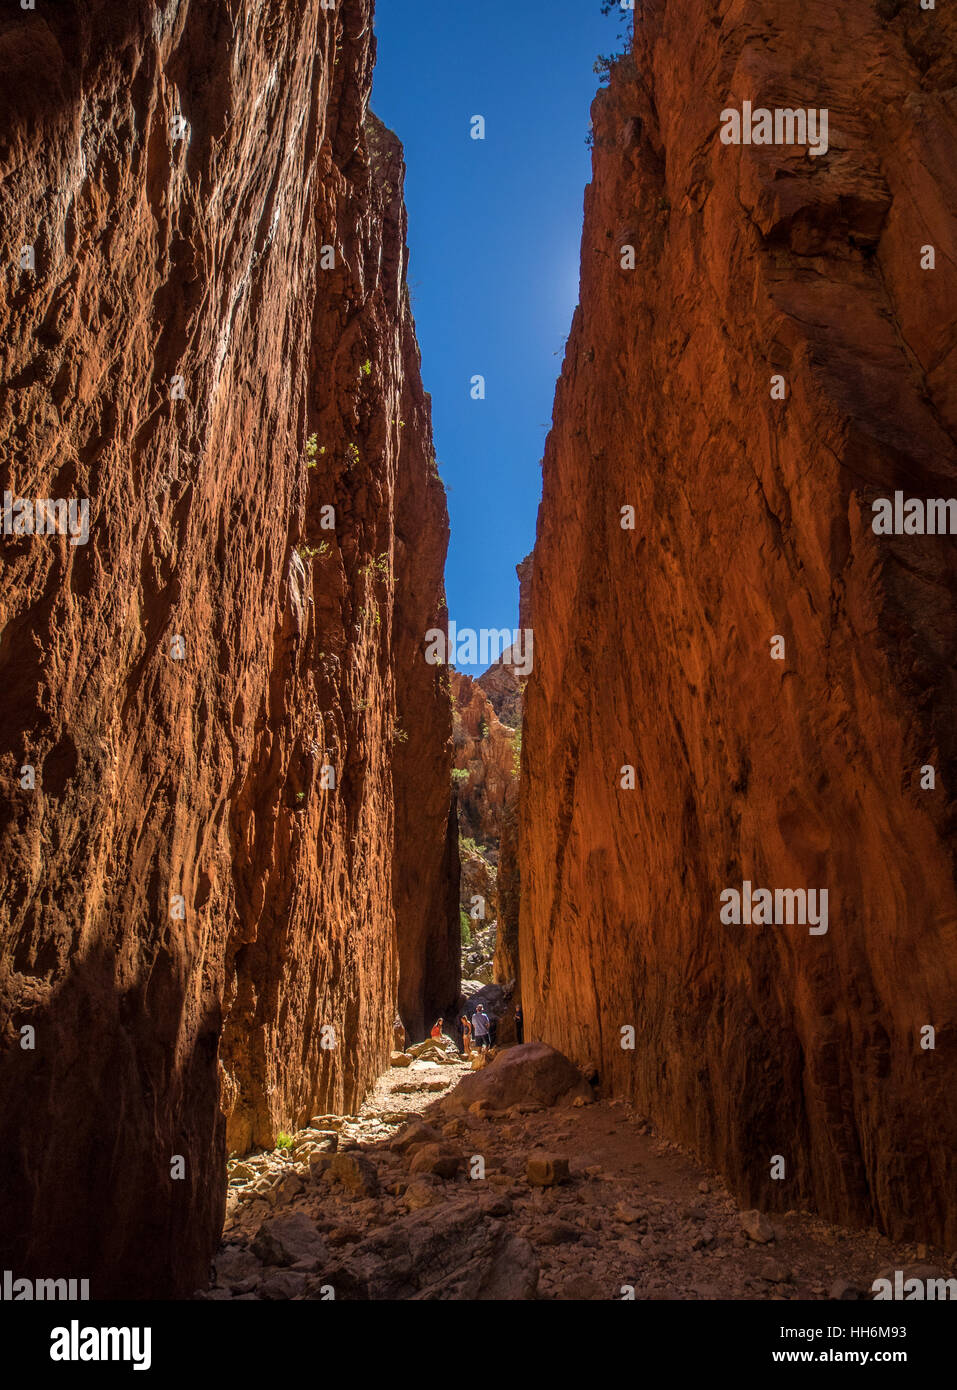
[[398, 1029], [466, 1036], [437, 1029], [480, 1027], [519, 1024]]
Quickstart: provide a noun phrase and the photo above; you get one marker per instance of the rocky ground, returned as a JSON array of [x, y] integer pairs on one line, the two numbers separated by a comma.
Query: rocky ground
[[430, 1194]]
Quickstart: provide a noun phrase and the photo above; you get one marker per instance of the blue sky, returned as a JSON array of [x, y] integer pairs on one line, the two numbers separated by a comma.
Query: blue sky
[[494, 236]]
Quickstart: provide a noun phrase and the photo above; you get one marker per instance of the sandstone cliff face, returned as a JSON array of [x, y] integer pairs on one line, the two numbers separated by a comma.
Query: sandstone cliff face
[[507, 958], [509, 897], [201, 928], [753, 519]]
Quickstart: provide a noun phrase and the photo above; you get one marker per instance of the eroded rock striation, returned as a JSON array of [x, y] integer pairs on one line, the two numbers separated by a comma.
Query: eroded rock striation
[[753, 521], [240, 827], [507, 958]]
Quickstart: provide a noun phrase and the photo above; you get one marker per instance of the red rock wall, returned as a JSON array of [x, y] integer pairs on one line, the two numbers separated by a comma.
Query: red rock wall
[[426, 872], [200, 258], [753, 518], [507, 957]]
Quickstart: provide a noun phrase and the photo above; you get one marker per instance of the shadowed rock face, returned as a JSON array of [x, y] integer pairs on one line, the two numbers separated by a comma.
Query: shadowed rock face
[[753, 519], [510, 871], [184, 906]]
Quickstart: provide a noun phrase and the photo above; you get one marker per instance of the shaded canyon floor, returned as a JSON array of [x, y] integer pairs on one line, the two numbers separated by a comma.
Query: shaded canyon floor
[[381, 1205]]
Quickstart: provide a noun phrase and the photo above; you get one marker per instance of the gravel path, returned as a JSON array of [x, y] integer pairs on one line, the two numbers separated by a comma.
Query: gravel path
[[636, 1212]]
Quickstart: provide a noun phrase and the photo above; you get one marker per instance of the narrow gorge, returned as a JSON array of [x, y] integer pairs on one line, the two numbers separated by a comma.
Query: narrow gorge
[[255, 843]]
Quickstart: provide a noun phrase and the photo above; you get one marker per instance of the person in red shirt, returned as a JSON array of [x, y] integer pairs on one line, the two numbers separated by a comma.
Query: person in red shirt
[[437, 1029]]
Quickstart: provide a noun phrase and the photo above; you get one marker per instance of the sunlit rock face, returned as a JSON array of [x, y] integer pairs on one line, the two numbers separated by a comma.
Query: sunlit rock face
[[486, 749], [241, 757], [758, 1045], [504, 681]]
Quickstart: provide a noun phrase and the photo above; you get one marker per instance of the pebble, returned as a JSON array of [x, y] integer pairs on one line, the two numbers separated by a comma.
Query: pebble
[[757, 1227], [546, 1172]]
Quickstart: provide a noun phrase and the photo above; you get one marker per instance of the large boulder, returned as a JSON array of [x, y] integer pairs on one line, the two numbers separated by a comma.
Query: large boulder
[[469, 989], [439, 1250], [283, 1240], [437, 1159], [440, 1050], [534, 1073], [415, 1132], [352, 1171]]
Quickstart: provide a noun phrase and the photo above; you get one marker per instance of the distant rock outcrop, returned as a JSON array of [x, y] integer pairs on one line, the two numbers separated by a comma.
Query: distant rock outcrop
[[487, 756], [504, 681], [487, 750]]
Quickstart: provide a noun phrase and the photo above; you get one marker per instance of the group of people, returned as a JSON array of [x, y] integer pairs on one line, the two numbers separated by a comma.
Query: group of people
[[480, 1029]]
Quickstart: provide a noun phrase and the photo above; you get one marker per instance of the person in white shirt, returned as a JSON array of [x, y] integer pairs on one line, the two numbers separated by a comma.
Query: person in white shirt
[[480, 1027]]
